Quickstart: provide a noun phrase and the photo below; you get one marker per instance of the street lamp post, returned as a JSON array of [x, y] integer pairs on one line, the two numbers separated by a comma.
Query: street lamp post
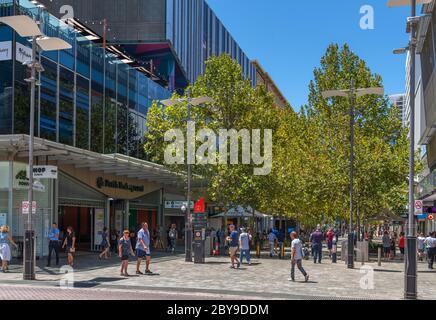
[[351, 94], [410, 274], [27, 28], [188, 228]]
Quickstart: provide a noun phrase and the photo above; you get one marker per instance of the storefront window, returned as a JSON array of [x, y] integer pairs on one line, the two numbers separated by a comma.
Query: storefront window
[[4, 191]]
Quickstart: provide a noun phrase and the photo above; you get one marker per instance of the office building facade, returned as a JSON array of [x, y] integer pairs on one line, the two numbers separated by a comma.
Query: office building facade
[[425, 112]]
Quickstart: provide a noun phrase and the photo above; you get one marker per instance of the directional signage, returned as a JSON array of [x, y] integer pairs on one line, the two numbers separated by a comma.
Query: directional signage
[[25, 207], [418, 207], [177, 204]]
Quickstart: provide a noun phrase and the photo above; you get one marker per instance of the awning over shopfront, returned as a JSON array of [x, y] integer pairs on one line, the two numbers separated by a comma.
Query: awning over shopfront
[[116, 164], [240, 212]]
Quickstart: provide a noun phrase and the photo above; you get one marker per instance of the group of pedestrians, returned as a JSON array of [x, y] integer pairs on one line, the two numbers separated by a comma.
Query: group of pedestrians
[[427, 247]]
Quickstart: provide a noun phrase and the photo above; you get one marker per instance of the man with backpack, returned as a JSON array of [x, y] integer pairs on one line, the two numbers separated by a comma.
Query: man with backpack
[[172, 236]]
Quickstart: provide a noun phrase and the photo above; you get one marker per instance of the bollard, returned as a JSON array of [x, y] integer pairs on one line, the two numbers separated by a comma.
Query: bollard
[[379, 253], [282, 251], [258, 250]]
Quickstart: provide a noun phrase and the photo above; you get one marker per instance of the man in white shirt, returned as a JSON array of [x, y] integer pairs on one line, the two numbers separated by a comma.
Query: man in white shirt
[[244, 244], [431, 244], [271, 239], [297, 257]]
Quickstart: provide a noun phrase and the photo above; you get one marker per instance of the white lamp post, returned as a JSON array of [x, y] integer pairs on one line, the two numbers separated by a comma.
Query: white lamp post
[[351, 94], [410, 274], [27, 28], [188, 229]]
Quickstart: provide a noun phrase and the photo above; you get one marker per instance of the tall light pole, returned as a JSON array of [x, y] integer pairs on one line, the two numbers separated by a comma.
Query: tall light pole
[[410, 273], [351, 93], [27, 28], [188, 228]]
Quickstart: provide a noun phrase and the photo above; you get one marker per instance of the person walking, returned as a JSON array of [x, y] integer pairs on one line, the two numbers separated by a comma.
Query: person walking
[[104, 244], [316, 241], [69, 244], [271, 240], [402, 244], [233, 246], [431, 243], [244, 244], [386, 245], [329, 239], [393, 245], [143, 249], [124, 250], [421, 246], [281, 241], [5, 249], [172, 236], [297, 257], [53, 243]]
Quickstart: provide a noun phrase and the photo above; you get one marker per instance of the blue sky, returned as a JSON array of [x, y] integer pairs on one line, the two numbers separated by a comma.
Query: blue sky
[[288, 37]]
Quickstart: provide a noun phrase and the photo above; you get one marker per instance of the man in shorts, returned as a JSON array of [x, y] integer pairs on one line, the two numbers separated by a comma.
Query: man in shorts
[[233, 247], [143, 249]]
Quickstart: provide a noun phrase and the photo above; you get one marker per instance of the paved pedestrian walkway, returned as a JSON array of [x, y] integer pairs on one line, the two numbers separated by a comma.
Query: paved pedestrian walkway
[[266, 278]]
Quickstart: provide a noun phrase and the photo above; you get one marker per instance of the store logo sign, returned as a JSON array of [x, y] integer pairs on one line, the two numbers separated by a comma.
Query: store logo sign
[[113, 184], [23, 53], [5, 50]]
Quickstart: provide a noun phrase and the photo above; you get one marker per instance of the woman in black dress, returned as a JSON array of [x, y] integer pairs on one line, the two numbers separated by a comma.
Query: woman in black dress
[[69, 243]]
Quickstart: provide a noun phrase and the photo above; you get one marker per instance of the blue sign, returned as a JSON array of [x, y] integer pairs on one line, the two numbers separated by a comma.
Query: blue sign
[[421, 216]]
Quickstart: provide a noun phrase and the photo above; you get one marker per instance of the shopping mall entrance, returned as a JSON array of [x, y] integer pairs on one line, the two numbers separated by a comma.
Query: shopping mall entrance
[[82, 208]]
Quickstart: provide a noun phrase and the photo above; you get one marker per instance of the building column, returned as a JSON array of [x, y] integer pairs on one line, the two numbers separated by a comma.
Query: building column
[[107, 213], [126, 214], [11, 190]]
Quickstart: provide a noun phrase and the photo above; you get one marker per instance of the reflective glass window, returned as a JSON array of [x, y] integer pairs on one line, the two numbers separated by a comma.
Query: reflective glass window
[[97, 114], [67, 57], [122, 113], [83, 57], [48, 100], [6, 81], [82, 112], [66, 105], [110, 108]]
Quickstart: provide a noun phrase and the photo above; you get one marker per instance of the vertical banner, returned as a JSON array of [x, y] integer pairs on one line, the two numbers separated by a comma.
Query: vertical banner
[[98, 226]]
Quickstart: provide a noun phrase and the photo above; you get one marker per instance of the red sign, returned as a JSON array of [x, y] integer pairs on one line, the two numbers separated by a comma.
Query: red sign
[[199, 206], [430, 217]]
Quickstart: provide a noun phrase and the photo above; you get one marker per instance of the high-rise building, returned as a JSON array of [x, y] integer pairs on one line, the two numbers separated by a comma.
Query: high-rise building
[[399, 100]]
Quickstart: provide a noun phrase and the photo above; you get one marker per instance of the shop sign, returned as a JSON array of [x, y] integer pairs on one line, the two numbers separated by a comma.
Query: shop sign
[[23, 53], [5, 50], [45, 172], [21, 182], [177, 204], [113, 184]]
